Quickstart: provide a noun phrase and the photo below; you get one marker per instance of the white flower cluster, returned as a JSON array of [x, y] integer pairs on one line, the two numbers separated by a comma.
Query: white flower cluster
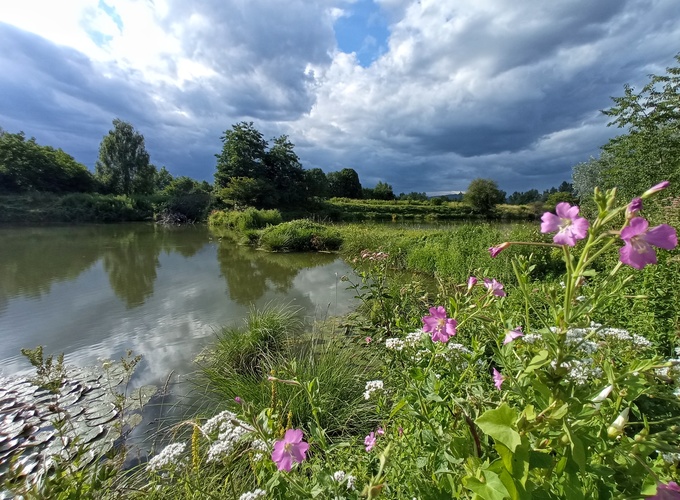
[[218, 421], [260, 449], [373, 386], [412, 339], [230, 434], [531, 338], [168, 456], [252, 495], [670, 458], [624, 335], [230, 430], [577, 337], [341, 477], [671, 372], [581, 371], [394, 344], [459, 348]]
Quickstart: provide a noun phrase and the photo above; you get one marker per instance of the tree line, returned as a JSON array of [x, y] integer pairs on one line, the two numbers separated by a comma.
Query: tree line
[[252, 171]]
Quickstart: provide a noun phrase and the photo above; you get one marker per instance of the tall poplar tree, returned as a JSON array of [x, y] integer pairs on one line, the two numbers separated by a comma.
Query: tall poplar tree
[[123, 166]]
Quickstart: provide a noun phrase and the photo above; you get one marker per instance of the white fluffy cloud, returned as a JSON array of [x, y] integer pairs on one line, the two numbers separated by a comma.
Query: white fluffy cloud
[[466, 88]]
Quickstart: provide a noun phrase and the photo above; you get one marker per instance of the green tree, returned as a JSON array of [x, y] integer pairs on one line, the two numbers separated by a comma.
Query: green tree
[[244, 192], [243, 154], [383, 191], [284, 172], [650, 150], [413, 195], [344, 184], [316, 183], [558, 197], [25, 165], [483, 195], [524, 198], [123, 166], [163, 179]]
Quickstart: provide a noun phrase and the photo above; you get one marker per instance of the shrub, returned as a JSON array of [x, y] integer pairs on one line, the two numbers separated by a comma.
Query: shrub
[[242, 220], [300, 236]]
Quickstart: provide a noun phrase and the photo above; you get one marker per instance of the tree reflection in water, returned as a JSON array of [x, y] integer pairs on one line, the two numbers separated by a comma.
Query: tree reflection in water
[[250, 274]]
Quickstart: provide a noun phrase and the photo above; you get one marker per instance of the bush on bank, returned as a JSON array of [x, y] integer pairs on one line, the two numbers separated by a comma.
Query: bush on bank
[[45, 208]]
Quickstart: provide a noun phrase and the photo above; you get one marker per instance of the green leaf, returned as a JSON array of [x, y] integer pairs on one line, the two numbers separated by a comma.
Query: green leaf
[[541, 359], [491, 489], [578, 453], [397, 408], [499, 424], [540, 459], [517, 464]]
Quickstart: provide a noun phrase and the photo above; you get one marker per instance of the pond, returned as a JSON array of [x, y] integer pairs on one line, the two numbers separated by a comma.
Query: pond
[[94, 292]]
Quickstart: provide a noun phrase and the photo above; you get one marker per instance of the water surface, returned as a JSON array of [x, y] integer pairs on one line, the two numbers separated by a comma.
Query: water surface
[[94, 292]]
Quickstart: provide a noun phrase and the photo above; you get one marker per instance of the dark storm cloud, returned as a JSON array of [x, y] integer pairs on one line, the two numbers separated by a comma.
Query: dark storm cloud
[[260, 50], [58, 94], [469, 90], [466, 89]]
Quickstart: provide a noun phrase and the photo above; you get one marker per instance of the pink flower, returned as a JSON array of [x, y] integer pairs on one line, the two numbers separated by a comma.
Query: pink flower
[[238, 400], [638, 251], [670, 491], [497, 379], [495, 286], [368, 340], [290, 448], [380, 431], [441, 327], [512, 335], [369, 441], [655, 189], [569, 226], [494, 251], [472, 281], [633, 207]]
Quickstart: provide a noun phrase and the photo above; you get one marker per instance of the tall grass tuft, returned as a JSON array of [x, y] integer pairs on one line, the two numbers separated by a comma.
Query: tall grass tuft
[[239, 366], [245, 350]]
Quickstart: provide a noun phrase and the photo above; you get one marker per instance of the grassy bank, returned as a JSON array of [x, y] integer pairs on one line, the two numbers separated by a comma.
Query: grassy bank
[[47, 208], [350, 210]]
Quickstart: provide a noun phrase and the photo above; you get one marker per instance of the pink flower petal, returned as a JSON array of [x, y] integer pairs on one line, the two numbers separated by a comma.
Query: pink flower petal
[[551, 222], [662, 236], [497, 379], [635, 227]]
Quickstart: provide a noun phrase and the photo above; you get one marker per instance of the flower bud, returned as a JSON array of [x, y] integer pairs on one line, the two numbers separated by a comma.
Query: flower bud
[[633, 208], [616, 427], [604, 393], [494, 251], [655, 189]]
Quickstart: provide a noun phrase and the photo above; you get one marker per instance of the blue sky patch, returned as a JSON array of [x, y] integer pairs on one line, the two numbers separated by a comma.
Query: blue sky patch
[[363, 30], [111, 12]]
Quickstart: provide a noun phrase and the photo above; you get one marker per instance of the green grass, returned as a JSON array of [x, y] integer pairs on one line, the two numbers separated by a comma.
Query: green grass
[[274, 342], [300, 236], [350, 210], [454, 253], [244, 220]]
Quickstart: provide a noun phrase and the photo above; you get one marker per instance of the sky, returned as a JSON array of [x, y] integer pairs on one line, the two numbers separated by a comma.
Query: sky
[[424, 95]]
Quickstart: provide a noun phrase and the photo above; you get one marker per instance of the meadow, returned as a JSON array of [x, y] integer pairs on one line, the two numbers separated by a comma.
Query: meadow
[[484, 361]]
